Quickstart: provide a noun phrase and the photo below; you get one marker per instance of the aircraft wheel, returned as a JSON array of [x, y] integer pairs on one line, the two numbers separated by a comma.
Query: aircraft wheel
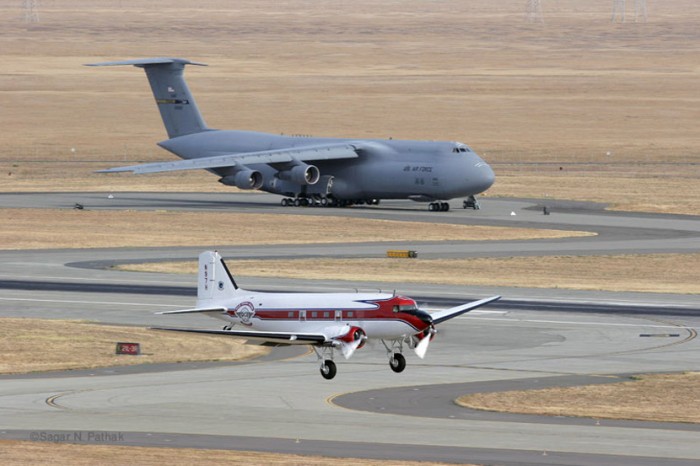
[[431, 207], [444, 206], [284, 202], [397, 362], [328, 369], [324, 202]]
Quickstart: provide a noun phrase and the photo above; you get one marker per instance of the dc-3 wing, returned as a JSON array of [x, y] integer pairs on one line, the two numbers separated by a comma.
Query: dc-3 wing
[[271, 337], [308, 153], [447, 314], [333, 335]]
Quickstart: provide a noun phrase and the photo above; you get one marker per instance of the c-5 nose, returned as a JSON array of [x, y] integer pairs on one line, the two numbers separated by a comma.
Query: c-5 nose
[[484, 177]]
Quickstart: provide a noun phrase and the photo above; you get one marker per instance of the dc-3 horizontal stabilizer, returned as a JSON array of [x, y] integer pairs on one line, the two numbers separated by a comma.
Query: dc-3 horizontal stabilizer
[[325, 321]]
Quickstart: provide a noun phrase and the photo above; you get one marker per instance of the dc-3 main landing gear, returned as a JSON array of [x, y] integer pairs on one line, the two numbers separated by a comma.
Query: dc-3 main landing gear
[[328, 369], [397, 361]]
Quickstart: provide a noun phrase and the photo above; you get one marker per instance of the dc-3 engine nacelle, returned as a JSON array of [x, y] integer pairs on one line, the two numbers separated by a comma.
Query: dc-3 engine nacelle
[[301, 173], [244, 179], [354, 334]]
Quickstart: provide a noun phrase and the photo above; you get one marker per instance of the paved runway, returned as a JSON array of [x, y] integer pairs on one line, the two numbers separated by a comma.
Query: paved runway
[[286, 405]]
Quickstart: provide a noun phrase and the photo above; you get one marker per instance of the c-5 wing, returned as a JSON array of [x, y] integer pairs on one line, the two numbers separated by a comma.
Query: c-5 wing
[[447, 314], [272, 337], [310, 153]]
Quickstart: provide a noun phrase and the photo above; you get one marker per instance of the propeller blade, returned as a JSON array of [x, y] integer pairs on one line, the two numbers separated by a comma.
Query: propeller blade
[[422, 347], [349, 348]]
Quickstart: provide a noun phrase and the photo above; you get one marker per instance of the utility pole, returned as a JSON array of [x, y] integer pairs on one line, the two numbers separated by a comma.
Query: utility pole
[[31, 11], [533, 11], [640, 11], [618, 11]]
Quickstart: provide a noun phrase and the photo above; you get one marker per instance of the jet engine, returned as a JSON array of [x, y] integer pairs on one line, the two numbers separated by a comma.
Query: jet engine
[[301, 173], [244, 179]]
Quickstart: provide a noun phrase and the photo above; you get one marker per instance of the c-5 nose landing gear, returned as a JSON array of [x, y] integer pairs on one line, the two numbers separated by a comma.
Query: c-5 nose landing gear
[[471, 203]]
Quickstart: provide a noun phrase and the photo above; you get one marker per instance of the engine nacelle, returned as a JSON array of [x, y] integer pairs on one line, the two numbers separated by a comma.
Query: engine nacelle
[[301, 174], [354, 334], [244, 179]]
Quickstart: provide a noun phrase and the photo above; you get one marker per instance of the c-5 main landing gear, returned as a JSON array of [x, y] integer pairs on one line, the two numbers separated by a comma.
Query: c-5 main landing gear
[[316, 200], [439, 207]]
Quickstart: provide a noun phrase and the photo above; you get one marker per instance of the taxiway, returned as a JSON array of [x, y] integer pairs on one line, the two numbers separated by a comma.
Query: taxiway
[[284, 405]]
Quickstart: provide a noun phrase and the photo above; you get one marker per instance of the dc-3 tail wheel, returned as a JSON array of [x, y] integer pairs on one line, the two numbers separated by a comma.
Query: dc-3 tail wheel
[[328, 369], [397, 362]]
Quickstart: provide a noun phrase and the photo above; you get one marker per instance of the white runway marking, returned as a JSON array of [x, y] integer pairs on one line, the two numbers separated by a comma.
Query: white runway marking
[[566, 322]]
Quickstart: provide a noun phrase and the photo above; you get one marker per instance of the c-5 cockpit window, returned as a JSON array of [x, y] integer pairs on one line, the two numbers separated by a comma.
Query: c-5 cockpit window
[[461, 148]]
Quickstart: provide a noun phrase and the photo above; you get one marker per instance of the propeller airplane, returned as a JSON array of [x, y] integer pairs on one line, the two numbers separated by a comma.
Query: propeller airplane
[[325, 321]]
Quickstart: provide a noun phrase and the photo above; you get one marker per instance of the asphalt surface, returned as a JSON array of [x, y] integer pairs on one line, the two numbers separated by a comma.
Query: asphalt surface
[[552, 336]]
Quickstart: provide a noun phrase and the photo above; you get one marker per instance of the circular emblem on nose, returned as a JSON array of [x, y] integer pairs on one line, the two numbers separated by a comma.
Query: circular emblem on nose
[[245, 311]]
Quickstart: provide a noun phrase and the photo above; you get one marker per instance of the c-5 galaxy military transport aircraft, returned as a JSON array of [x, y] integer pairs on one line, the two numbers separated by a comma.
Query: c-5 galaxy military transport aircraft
[[326, 321], [317, 171]]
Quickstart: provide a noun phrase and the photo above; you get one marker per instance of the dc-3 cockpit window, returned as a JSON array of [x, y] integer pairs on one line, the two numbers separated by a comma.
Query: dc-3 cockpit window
[[461, 148], [405, 308]]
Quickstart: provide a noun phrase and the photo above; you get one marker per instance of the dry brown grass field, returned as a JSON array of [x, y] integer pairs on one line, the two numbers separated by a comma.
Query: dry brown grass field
[[657, 397], [18, 453], [84, 345], [615, 106], [612, 273], [26, 229]]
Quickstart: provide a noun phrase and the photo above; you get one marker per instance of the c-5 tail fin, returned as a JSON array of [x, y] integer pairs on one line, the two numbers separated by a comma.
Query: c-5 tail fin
[[215, 284], [175, 102]]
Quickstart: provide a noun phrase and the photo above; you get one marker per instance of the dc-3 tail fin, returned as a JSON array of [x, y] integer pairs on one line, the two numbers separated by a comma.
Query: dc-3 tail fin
[[215, 283], [175, 102]]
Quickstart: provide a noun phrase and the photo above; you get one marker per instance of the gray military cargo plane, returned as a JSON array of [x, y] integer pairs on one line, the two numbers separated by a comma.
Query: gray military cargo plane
[[307, 171]]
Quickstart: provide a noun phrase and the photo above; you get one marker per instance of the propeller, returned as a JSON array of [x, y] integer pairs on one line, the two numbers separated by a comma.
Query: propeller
[[422, 346], [349, 348], [354, 339]]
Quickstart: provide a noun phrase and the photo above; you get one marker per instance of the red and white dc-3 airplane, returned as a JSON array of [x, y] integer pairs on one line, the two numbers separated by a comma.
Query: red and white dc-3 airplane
[[326, 321]]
